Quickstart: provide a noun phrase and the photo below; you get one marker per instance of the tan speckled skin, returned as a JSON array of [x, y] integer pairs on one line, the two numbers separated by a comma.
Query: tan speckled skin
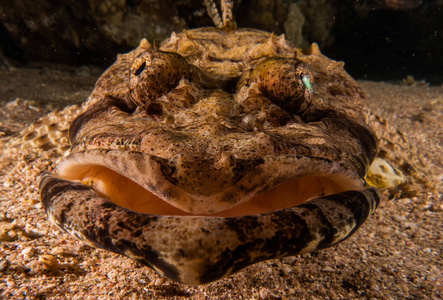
[[213, 131]]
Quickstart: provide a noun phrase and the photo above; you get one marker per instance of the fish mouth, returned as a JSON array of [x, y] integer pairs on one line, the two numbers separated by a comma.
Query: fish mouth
[[223, 216], [194, 249], [142, 183]]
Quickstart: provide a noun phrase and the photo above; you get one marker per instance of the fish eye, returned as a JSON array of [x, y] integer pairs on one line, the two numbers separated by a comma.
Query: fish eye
[[154, 73], [286, 82]]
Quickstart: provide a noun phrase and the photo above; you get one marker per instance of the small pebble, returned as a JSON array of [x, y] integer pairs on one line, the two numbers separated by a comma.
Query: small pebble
[[4, 263], [28, 252], [286, 270], [58, 251], [49, 262]]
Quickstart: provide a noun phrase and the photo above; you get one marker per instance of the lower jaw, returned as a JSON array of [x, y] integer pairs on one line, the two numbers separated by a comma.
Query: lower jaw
[[198, 249]]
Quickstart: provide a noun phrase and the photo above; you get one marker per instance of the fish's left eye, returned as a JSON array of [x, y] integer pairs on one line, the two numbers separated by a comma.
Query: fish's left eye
[[154, 73], [286, 82]]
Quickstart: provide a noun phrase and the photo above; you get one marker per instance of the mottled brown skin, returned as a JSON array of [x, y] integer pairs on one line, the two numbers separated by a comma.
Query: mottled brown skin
[[207, 123]]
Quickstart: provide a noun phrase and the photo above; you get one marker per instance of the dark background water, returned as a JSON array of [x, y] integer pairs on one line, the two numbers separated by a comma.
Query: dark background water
[[377, 39]]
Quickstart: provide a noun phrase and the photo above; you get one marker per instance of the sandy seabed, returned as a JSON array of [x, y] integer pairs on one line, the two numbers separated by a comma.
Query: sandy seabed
[[397, 254]]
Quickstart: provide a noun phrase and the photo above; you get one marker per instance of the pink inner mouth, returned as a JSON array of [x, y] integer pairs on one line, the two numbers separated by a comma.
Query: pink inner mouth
[[126, 193]]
